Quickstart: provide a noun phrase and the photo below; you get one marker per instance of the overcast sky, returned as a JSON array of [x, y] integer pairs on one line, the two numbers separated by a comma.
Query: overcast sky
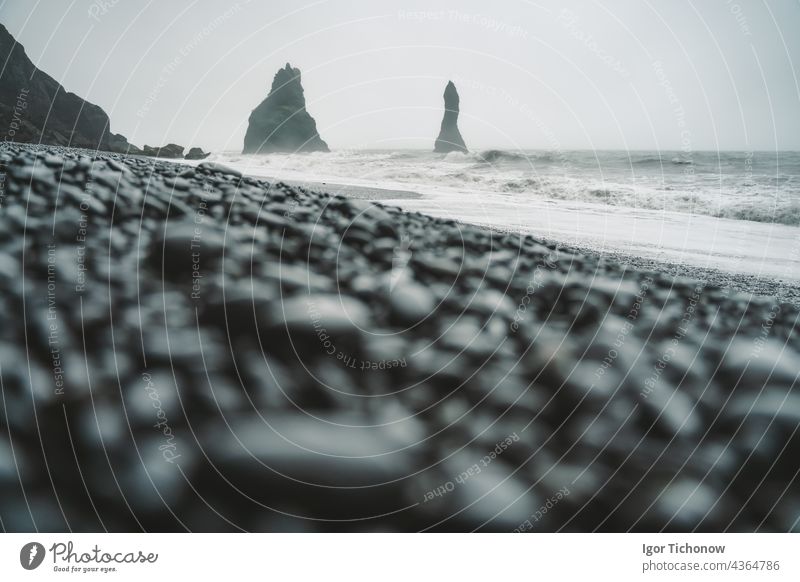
[[637, 74]]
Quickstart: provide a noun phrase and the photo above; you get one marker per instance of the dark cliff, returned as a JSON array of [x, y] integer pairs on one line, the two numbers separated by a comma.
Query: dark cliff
[[35, 108]]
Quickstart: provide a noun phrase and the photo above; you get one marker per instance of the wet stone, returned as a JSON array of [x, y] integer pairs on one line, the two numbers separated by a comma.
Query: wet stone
[[305, 315], [178, 183], [486, 496], [218, 168], [324, 465], [410, 303], [673, 412], [439, 266], [185, 248]]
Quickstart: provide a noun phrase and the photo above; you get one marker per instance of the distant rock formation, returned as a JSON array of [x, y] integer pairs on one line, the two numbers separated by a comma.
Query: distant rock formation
[[196, 154], [174, 151], [450, 139], [281, 123], [168, 151], [35, 108]]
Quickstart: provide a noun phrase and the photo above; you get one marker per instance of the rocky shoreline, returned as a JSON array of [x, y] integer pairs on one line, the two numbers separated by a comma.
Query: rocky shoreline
[[184, 348], [781, 289]]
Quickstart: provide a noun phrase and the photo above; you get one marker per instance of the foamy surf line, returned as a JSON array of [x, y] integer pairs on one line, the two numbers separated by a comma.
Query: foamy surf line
[[735, 247], [417, 182], [735, 185], [724, 270]]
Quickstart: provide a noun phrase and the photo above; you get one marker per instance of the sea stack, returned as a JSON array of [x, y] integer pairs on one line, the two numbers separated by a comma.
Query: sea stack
[[281, 123], [450, 139], [35, 108]]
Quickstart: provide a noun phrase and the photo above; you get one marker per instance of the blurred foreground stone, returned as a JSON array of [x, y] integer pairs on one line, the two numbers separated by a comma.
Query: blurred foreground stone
[[186, 348]]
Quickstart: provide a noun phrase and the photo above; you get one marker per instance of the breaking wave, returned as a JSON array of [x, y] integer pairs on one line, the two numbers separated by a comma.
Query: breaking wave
[[732, 185], [495, 156]]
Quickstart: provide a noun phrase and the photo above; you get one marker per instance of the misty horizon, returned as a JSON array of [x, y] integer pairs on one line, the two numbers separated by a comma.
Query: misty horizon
[[548, 77]]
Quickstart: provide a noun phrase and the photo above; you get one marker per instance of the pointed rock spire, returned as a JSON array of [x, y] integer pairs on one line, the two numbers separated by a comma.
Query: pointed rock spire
[[450, 139]]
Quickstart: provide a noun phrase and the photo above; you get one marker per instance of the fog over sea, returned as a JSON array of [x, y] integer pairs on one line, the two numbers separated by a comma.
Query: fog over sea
[[735, 211]]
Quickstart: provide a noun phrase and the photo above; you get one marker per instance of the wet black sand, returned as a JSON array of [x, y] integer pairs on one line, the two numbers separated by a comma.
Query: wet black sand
[[186, 349]]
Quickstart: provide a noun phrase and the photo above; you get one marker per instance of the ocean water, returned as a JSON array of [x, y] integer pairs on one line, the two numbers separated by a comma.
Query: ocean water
[[737, 211]]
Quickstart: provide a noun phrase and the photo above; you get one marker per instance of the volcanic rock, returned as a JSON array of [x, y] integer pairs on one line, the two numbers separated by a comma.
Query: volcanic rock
[[450, 139], [35, 108], [196, 154], [168, 151], [281, 123]]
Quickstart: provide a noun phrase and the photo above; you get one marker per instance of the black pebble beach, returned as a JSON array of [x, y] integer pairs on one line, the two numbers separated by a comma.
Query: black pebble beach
[[187, 349]]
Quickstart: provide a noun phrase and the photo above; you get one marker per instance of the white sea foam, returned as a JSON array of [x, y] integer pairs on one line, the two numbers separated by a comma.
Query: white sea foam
[[734, 210], [762, 188]]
